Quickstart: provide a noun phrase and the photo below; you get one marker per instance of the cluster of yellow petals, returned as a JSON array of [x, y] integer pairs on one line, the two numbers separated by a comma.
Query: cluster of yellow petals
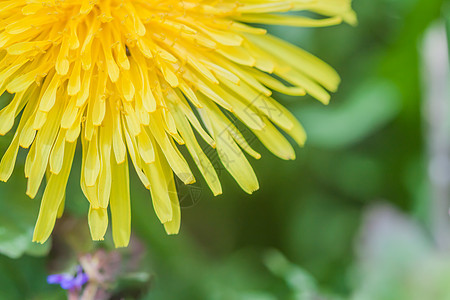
[[134, 79]]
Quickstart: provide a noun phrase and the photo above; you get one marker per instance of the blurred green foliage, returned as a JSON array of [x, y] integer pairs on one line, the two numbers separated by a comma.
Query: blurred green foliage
[[366, 146]]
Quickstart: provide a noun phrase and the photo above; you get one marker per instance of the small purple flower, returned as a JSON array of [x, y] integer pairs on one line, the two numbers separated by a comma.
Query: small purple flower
[[69, 282]]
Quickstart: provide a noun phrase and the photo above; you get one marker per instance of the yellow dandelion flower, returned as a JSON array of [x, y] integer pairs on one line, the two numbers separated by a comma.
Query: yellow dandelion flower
[[134, 79]]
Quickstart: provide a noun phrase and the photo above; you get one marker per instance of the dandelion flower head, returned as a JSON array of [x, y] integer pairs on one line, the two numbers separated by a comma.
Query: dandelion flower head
[[136, 81]]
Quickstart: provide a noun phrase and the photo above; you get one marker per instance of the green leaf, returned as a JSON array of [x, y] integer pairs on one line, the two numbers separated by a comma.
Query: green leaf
[[302, 284], [17, 218], [35, 249], [25, 278], [370, 107]]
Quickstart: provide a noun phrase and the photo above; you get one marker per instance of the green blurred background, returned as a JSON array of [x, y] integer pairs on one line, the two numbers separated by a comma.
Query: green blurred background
[[354, 217]]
